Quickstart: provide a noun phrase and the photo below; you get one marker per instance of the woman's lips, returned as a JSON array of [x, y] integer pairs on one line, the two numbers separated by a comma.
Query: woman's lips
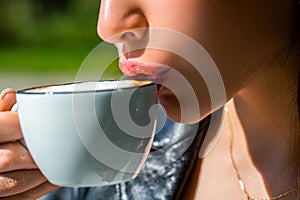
[[144, 71]]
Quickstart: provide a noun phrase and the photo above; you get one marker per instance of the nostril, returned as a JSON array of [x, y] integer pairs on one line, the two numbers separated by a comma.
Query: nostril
[[128, 36], [127, 26]]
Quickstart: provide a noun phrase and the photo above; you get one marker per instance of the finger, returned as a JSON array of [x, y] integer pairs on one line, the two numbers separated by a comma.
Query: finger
[[13, 156], [7, 99], [17, 182], [10, 129], [34, 193]]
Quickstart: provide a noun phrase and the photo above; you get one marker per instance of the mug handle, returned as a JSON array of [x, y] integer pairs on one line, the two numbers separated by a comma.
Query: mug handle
[[15, 109]]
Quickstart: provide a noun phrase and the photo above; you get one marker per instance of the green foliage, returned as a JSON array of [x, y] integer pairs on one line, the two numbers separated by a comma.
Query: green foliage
[[34, 38]]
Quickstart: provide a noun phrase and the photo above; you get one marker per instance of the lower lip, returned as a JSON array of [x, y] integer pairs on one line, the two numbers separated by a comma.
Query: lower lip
[[159, 88], [163, 91]]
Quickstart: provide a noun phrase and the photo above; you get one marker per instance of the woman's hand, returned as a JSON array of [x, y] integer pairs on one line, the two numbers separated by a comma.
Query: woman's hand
[[19, 176]]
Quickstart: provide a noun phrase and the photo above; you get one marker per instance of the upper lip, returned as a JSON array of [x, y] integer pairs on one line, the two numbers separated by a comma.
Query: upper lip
[[144, 71]]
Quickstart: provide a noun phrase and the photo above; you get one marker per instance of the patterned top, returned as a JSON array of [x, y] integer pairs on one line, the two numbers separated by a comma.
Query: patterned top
[[165, 172]]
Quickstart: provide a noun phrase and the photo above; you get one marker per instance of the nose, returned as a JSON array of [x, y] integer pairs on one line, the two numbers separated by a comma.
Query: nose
[[121, 21]]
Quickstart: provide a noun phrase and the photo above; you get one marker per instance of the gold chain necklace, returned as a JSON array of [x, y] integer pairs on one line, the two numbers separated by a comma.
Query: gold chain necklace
[[241, 183]]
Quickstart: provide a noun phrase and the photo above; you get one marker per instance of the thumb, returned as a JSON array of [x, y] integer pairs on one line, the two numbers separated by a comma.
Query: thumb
[[7, 99]]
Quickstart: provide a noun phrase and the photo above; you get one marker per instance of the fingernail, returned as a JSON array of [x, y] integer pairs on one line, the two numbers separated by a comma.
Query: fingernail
[[6, 93]]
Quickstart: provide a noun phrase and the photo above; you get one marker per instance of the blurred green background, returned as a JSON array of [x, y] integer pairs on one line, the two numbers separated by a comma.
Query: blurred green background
[[45, 41]]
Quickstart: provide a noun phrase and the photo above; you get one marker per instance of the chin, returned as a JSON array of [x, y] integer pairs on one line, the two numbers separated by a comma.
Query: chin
[[171, 107], [175, 112]]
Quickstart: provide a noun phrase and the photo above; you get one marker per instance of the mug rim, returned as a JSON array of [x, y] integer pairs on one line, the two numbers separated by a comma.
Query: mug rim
[[25, 90]]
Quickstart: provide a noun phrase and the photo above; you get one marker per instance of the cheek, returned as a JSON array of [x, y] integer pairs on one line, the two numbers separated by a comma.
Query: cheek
[[173, 14], [238, 37], [243, 37]]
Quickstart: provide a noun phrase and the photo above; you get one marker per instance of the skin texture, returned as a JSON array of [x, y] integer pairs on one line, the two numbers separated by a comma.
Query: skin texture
[[19, 176], [248, 41]]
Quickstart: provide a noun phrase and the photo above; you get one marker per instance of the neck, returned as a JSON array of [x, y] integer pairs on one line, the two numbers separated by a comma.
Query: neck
[[266, 110]]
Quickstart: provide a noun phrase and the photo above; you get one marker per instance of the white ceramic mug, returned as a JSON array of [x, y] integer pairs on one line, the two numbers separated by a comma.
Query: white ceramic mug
[[89, 133]]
